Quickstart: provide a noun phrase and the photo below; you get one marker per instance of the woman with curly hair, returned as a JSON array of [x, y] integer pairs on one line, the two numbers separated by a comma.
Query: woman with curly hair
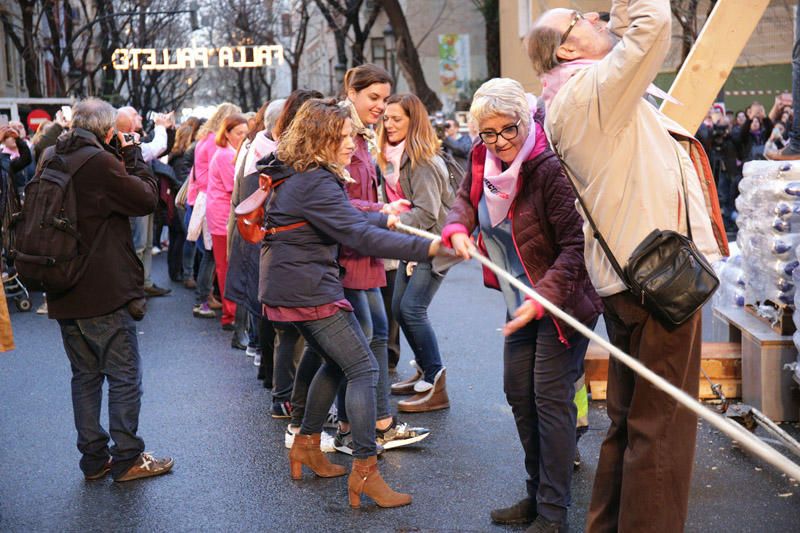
[[309, 218]]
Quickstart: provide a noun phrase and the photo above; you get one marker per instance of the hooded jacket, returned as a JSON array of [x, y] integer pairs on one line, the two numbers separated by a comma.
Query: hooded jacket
[[109, 188], [300, 267]]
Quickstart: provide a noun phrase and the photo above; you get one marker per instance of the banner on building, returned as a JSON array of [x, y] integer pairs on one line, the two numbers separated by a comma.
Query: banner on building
[[454, 64]]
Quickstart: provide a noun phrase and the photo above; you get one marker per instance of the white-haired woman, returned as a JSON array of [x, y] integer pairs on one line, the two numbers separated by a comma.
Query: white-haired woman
[[516, 193]]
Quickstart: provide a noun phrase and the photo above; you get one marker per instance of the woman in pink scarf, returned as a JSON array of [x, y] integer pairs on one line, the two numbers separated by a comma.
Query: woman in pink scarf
[[516, 193]]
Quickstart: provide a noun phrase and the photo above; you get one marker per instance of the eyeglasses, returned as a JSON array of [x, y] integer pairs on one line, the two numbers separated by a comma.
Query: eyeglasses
[[576, 16], [508, 133]]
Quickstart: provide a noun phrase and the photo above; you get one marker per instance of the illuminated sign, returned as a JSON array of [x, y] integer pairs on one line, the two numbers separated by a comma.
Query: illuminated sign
[[196, 57]]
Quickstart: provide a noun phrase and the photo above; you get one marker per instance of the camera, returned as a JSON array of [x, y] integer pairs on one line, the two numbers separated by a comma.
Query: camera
[[439, 124], [129, 138]]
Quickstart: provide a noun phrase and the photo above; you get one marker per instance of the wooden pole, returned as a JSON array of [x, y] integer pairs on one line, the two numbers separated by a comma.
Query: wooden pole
[[711, 60]]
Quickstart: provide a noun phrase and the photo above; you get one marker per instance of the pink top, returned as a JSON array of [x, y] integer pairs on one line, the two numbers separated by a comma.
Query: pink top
[[203, 153], [220, 188], [304, 314]]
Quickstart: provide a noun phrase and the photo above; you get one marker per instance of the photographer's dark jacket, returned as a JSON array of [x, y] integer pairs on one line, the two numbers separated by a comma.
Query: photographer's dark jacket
[[110, 187]]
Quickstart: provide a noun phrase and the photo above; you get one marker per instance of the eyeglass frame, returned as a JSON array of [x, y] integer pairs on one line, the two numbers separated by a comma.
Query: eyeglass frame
[[497, 134], [576, 16]]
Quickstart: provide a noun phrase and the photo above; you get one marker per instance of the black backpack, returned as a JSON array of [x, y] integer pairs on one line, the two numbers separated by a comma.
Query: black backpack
[[49, 253]]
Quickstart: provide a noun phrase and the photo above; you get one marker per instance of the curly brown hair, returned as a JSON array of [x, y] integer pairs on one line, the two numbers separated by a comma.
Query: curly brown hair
[[314, 136]]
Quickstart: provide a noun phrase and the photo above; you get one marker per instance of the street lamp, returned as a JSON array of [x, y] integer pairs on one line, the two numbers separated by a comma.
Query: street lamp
[[388, 45]]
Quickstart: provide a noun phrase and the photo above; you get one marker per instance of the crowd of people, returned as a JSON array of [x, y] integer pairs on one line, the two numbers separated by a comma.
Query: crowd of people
[[284, 223]]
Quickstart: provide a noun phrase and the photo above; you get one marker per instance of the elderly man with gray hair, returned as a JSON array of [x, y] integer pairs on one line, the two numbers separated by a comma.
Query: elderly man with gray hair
[[97, 315], [635, 170]]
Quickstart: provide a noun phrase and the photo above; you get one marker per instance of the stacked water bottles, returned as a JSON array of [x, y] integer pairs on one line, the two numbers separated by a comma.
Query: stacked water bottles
[[769, 231], [732, 282]]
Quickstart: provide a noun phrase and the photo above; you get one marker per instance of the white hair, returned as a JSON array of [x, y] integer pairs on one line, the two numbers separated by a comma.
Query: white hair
[[94, 115], [501, 96], [272, 113]]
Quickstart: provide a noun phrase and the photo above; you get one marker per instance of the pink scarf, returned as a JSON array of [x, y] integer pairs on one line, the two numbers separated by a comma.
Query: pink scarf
[[500, 186], [555, 79], [394, 156], [14, 153]]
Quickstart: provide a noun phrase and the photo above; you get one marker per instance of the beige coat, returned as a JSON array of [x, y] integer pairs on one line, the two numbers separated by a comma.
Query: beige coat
[[626, 163]]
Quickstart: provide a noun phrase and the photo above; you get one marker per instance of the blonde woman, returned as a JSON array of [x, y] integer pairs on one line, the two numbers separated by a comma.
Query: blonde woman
[[203, 153], [308, 220], [413, 171]]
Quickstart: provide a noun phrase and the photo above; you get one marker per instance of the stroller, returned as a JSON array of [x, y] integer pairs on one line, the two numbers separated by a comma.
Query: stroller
[[12, 286]]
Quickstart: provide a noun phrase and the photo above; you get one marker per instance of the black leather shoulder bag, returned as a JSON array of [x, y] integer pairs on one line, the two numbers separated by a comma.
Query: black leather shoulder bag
[[666, 272]]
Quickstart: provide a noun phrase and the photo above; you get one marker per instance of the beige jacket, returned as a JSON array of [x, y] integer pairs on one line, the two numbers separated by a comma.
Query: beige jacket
[[627, 166]]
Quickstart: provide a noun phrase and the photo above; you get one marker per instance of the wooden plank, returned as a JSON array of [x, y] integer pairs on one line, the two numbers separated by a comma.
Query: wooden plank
[[731, 388], [598, 390], [711, 60]]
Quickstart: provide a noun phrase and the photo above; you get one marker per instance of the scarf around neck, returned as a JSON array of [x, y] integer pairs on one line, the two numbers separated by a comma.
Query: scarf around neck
[[394, 157], [555, 79], [364, 131], [500, 186]]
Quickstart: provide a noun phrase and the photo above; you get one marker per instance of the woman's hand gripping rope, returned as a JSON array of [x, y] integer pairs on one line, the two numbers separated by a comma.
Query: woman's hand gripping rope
[[745, 439]]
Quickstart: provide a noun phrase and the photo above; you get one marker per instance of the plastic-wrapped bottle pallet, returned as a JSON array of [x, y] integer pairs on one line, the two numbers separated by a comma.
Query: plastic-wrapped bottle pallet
[[769, 230], [732, 281]]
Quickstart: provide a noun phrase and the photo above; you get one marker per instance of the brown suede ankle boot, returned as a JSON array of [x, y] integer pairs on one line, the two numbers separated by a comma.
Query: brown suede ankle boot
[[433, 399], [365, 479], [305, 451]]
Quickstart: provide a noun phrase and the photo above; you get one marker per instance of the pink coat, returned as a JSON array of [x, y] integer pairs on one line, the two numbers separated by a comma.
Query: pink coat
[[203, 153], [362, 272], [220, 188]]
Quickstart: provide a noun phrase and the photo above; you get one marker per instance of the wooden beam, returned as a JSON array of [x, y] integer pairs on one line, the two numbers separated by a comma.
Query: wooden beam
[[712, 58]]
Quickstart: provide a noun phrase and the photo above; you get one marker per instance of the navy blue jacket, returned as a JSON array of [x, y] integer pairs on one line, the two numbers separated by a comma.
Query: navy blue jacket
[[299, 268]]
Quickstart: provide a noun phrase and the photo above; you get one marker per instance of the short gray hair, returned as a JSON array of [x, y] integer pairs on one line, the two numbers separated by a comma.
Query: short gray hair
[[543, 43], [272, 113], [501, 96], [94, 115]]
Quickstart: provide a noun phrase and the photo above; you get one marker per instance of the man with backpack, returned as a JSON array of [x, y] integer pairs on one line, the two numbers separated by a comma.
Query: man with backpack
[[101, 286]]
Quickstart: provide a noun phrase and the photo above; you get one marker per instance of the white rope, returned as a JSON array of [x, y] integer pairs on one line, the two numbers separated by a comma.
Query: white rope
[[745, 439]]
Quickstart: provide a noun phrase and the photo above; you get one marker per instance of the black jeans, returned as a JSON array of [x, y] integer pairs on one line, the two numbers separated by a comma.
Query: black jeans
[[177, 238], [346, 355], [288, 349], [100, 348], [539, 375]]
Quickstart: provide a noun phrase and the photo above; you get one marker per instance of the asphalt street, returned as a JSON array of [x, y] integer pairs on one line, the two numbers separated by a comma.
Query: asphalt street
[[204, 406]]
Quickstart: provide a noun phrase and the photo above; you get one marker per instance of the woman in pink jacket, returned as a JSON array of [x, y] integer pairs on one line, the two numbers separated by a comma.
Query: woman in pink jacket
[[203, 153], [218, 202]]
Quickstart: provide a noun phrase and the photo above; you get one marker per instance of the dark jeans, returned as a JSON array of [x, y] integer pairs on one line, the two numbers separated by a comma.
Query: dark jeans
[[346, 356], [539, 375], [368, 308], [100, 348], [310, 362], [189, 247], [645, 468], [266, 339], [288, 349], [393, 342], [412, 296], [177, 239], [205, 276]]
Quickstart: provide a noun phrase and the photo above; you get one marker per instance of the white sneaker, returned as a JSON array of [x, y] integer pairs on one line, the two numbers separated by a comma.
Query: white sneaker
[[325, 440], [257, 358], [155, 251], [42, 309], [251, 351]]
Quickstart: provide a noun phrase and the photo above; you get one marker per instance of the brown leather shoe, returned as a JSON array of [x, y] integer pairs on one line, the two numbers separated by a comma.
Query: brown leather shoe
[[407, 385], [305, 451], [190, 283], [213, 303], [431, 400], [100, 474], [147, 466], [365, 479]]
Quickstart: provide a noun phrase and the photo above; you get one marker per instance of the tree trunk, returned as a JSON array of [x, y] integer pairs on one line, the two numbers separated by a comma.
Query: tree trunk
[[29, 54], [407, 56], [491, 14]]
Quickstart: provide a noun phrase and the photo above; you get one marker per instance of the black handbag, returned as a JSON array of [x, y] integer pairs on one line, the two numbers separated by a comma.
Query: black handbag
[[666, 272]]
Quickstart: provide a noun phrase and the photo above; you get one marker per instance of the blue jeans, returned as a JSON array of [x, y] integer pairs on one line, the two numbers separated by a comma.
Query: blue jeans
[[343, 347], [100, 348], [142, 228], [189, 247], [371, 315], [412, 296], [539, 374], [205, 276]]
